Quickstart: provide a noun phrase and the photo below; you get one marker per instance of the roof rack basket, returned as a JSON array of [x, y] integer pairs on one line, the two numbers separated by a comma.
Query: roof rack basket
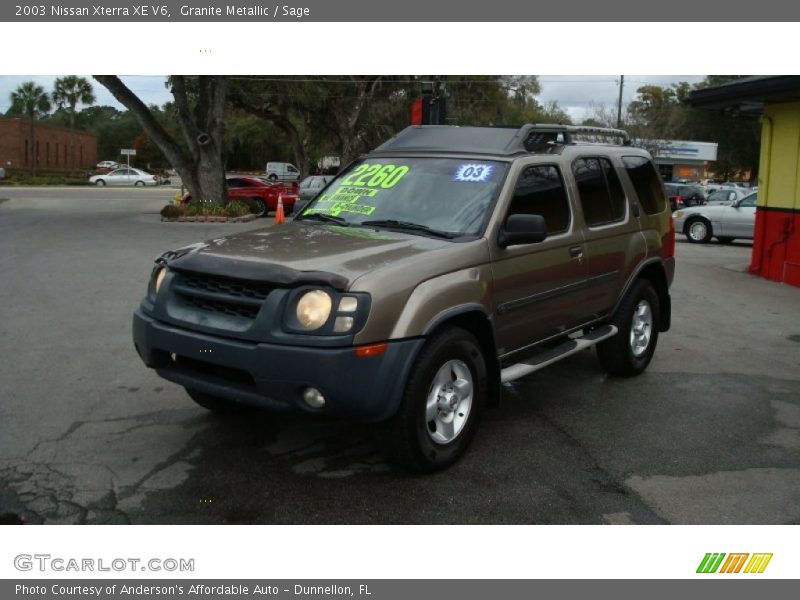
[[542, 136]]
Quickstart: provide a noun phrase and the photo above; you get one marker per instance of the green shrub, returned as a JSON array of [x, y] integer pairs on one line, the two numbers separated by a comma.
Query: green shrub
[[236, 208], [204, 208]]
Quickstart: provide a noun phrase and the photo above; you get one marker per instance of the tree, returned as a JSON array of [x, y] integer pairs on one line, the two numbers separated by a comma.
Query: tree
[[200, 113], [31, 101], [68, 92]]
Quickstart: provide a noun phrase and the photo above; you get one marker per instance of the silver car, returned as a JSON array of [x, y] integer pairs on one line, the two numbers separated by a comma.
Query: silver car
[[125, 176], [727, 195], [725, 222]]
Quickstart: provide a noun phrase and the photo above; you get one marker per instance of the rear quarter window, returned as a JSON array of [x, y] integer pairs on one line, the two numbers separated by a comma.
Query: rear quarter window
[[644, 177]]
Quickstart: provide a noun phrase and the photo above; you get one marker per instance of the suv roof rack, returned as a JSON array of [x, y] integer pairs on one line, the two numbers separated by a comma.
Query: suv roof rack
[[543, 137], [498, 141]]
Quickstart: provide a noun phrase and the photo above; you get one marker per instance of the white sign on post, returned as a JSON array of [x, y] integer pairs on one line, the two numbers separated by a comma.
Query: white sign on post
[[128, 152]]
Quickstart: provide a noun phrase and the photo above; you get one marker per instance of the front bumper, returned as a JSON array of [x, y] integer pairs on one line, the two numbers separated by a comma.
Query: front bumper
[[274, 376]]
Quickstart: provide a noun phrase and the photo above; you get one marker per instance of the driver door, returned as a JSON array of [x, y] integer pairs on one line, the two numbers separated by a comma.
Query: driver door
[[537, 287]]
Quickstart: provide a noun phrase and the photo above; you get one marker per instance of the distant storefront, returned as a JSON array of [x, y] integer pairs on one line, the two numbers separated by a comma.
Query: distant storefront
[[679, 159], [776, 246], [50, 144]]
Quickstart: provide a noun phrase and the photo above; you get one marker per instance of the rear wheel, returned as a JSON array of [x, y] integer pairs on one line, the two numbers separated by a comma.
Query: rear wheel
[[629, 352], [213, 403], [442, 403], [139, 183], [100, 182], [699, 231], [273, 177]]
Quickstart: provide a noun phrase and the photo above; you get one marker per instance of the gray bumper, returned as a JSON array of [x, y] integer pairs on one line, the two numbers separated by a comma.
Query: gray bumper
[[274, 376]]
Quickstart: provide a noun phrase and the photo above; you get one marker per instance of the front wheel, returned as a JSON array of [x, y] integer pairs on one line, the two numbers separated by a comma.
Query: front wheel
[[629, 352], [258, 207], [442, 403]]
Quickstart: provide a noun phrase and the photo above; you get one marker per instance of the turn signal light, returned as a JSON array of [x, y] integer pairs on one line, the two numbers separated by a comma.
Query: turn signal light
[[371, 350]]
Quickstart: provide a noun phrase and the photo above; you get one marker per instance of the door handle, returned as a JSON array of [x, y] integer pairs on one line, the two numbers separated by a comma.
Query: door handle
[[576, 251]]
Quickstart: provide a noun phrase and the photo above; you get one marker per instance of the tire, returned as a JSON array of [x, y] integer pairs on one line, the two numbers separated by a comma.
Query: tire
[[273, 177], [100, 183], [214, 404], [257, 206], [629, 352], [699, 231], [725, 240], [431, 430], [139, 183]]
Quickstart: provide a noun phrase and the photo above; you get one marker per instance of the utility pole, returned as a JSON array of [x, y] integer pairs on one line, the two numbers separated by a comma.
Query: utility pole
[[619, 104]]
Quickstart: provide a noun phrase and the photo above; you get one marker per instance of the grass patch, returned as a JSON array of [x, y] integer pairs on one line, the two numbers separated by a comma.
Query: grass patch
[[21, 178]]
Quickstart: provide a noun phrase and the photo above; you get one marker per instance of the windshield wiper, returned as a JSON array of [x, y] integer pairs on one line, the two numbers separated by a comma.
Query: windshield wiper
[[325, 217], [408, 226]]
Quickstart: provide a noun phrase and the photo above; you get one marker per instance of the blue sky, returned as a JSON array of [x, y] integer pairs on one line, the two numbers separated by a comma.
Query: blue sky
[[574, 93]]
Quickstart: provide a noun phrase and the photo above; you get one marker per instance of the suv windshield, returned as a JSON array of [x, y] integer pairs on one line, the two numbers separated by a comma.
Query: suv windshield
[[418, 195]]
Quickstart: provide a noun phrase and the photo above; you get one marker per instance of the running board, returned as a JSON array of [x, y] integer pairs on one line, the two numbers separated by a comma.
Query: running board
[[548, 357]]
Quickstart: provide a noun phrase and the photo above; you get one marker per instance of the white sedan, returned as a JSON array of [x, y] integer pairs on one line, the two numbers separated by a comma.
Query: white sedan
[[124, 176], [724, 222]]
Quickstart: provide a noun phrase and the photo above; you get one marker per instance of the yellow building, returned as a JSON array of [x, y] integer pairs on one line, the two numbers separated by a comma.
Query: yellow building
[[776, 245]]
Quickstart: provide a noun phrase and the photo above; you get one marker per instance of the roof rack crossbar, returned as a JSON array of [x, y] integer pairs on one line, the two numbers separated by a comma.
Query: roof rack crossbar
[[551, 134]]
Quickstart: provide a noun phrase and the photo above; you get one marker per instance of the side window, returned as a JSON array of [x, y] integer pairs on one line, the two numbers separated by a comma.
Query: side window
[[234, 183], [645, 181], [749, 200], [601, 195], [540, 191]]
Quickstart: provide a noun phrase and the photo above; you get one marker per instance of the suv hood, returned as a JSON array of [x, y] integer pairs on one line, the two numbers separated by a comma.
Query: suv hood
[[296, 253]]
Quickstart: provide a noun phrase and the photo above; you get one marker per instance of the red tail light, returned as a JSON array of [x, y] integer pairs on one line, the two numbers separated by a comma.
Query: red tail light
[[678, 200]]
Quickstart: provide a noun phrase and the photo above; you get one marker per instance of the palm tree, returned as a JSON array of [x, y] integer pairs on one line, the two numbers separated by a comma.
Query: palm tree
[[31, 101], [68, 92]]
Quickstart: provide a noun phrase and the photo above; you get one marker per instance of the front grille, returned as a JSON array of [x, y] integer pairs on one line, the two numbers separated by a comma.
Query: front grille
[[229, 287], [222, 295]]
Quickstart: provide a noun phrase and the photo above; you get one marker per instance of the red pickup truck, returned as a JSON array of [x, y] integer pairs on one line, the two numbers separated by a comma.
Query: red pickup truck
[[260, 194]]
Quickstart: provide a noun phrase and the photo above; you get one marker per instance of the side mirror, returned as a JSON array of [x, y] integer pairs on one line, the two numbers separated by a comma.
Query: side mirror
[[522, 229]]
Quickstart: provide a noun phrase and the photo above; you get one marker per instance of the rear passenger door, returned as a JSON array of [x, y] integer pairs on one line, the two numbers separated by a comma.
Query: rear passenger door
[[537, 287], [611, 232]]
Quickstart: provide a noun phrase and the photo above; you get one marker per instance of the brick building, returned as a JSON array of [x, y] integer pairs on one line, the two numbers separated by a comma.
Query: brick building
[[52, 146]]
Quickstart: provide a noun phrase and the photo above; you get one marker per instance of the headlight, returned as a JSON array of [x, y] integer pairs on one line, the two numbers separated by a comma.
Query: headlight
[[162, 272], [313, 309], [678, 214]]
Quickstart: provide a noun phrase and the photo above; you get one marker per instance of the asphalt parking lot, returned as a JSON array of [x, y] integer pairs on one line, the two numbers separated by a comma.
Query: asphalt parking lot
[[709, 434]]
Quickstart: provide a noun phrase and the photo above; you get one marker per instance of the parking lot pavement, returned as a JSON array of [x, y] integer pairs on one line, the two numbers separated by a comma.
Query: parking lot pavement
[[709, 434]]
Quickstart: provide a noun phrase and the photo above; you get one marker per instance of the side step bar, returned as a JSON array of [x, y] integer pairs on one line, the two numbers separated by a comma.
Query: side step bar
[[548, 357]]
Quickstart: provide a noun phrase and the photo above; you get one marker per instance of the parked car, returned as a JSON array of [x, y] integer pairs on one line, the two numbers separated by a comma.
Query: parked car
[[282, 171], [310, 187], [260, 194], [108, 165], [445, 262], [726, 222], [681, 195], [124, 176], [727, 196]]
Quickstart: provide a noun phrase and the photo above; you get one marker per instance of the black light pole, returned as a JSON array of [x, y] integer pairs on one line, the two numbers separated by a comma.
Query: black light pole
[[619, 104]]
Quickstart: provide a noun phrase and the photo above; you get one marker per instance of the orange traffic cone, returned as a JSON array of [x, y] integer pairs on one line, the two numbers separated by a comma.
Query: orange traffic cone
[[279, 216]]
